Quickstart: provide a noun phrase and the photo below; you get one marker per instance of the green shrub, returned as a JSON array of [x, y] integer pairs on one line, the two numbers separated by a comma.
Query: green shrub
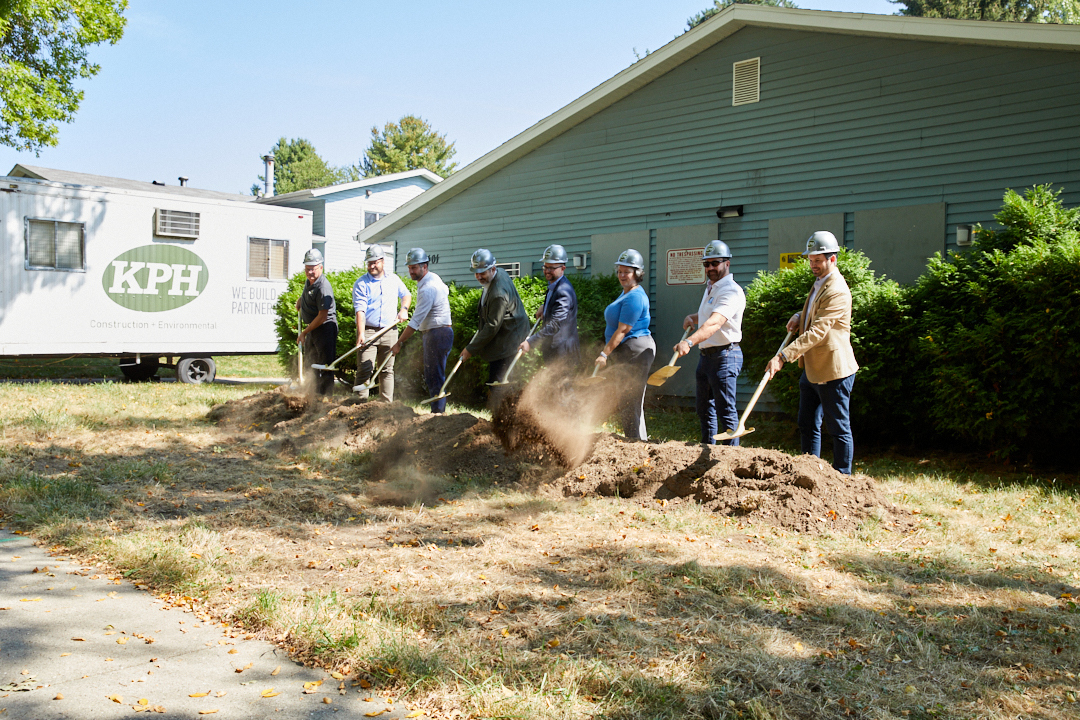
[[879, 320], [999, 330]]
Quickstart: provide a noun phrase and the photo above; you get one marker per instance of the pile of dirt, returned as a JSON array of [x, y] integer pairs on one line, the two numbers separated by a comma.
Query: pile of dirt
[[414, 456], [802, 493]]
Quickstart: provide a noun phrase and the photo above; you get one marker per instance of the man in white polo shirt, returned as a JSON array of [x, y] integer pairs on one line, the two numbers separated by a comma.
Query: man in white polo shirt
[[719, 331], [432, 319]]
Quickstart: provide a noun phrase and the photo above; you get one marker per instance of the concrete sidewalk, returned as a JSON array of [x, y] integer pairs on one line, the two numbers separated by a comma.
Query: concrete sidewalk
[[77, 643]]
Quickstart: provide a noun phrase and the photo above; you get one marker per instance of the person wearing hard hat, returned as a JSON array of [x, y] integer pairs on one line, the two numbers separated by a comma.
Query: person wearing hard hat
[[432, 318], [719, 331], [629, 341], [823, 351], [558, 337], [380, 300], [318, 312], [503, 321]]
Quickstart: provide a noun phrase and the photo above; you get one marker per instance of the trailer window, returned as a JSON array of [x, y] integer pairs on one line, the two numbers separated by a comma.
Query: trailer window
[[54, 245], [268, 259]]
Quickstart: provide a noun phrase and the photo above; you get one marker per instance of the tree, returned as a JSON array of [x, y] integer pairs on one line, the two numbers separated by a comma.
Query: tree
[[1041, 11], [43, 52], [408, 144], [719, 5], [297, 166]]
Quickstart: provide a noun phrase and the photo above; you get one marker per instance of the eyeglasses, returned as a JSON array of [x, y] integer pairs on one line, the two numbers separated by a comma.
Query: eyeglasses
[[712, 263], [551, 267]]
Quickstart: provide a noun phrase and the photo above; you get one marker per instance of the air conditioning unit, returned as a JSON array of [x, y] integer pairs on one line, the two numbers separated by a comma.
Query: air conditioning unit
[[176, 223]]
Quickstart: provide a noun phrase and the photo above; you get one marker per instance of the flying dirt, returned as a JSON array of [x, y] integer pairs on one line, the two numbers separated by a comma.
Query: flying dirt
[[549, 448]]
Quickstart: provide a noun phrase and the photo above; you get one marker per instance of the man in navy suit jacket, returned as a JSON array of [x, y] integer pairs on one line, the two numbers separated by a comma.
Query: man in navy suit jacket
[[558, 337]]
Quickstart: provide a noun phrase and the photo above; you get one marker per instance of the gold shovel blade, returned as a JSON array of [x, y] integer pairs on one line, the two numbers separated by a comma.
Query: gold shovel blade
[[660, 377], [433, 399], [731, 434]]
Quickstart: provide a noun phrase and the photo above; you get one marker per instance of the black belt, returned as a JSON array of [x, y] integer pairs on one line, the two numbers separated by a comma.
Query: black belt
[[717, 349], [372, 327]]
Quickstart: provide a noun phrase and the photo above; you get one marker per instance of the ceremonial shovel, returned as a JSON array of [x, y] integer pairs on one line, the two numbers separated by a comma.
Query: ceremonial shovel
[[375, 337], [660, 377], [506, 375], [742, 429], [374, 376]]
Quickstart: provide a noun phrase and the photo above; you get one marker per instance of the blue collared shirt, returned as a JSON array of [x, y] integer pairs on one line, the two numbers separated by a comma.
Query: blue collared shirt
[[378, 299]]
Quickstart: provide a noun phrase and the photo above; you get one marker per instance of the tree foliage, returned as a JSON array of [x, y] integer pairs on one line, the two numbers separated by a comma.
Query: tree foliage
[[719, 5], [43, 52], [409, 144], [297, 166], [1040, 11]]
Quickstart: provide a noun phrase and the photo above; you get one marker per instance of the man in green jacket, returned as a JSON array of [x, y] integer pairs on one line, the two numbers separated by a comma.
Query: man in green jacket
[[503, 322]]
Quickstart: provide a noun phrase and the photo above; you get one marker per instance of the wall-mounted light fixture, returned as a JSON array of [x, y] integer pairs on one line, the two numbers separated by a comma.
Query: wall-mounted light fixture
[[367, 193], [963, 235], [729, 211]]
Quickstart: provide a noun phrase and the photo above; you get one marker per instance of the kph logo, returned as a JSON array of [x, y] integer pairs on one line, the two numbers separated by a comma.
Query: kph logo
[[153, 278]]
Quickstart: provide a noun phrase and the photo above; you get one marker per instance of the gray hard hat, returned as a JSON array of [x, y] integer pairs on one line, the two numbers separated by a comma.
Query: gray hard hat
[[416, 256], [631, 258], [554, 254], [313, 257], [820, 243], [716, 250], [374, 252], [482, 261]]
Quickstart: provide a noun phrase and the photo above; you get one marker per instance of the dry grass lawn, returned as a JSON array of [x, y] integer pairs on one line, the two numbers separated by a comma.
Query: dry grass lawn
[[493, 602]]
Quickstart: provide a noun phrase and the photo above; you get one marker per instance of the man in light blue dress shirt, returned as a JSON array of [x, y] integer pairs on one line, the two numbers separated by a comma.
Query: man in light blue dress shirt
[[376, 298]]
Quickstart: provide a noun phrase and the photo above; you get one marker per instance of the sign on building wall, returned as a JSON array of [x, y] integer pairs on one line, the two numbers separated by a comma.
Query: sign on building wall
[[789, 260], [684, 266]]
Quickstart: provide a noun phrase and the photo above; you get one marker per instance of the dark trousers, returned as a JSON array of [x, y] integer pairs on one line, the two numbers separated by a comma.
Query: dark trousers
[[437, 344], [639, 354], [717, 371], [496, 371], [321, 348], [833, 401]]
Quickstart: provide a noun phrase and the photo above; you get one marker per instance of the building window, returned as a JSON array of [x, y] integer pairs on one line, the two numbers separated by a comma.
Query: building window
[[268, 259], [54, 245], [512, 269], [370, 218]]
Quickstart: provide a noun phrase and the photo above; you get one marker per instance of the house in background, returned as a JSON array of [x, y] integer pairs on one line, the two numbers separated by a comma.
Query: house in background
[[759, 127], [341, 212]]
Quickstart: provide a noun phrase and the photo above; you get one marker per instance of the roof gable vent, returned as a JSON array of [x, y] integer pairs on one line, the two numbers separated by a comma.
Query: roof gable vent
[[177, 223], [746, 82]]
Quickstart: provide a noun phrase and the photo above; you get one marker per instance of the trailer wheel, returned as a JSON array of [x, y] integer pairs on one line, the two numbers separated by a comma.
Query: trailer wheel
[[196, 370], [141, 371]]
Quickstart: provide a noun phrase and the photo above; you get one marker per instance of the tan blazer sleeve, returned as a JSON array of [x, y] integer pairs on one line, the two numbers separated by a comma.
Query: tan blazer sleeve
[[830, 309]]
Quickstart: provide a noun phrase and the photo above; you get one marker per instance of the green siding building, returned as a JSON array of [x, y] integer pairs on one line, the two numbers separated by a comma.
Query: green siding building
[[894, 133]]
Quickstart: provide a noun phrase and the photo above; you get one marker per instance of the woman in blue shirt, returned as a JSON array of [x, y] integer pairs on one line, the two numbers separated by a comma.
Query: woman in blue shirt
[[629, 342]]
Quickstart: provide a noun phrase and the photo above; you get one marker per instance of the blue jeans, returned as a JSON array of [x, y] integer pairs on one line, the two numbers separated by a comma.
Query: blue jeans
[[437, 344], [833, 400], [717, 372]]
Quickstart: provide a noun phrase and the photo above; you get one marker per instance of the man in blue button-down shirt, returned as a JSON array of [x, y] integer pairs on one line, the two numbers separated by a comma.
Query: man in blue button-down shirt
[[376, 297]]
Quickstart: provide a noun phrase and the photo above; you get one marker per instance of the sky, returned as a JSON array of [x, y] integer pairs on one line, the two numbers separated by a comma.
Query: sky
[[204, 88]]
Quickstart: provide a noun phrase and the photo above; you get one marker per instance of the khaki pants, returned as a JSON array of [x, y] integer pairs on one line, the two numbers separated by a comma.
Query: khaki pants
[[371, 358]]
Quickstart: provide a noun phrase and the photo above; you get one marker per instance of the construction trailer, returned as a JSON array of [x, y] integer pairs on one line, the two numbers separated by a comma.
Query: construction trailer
[[156, 275]]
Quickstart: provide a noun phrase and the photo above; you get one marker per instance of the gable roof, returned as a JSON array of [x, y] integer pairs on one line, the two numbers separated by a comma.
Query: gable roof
[[74, 178], [343, 187], [688, 45]]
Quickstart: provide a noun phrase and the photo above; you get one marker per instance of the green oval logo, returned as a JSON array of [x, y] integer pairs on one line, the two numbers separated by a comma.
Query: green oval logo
[[154, 278]]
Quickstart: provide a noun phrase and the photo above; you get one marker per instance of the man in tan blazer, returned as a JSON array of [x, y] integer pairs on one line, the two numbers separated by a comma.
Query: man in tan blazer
[[823, 349]]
